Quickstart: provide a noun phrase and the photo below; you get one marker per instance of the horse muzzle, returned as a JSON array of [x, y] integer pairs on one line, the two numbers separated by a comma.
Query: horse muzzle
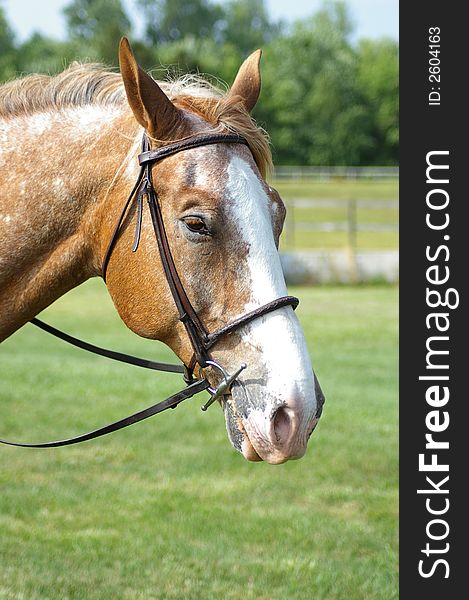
[[263, 429]]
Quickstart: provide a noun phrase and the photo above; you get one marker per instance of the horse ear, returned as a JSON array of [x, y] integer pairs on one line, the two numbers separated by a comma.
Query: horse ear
[[151, 107], [247, 83]]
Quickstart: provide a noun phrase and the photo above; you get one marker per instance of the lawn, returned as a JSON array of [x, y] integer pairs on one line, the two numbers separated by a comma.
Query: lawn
[[167, 509], [296, 238]]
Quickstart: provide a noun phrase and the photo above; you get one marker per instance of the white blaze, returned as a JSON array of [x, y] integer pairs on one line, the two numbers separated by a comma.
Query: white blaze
[[277, 335]]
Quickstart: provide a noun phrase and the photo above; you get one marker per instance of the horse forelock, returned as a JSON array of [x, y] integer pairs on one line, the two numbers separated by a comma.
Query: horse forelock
[[227, 114]]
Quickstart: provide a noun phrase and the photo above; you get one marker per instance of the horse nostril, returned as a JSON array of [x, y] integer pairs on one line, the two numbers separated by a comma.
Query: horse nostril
[[282, 424]]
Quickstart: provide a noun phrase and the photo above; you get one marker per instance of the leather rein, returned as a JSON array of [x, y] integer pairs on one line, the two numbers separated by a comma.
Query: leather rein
[[201, 340]]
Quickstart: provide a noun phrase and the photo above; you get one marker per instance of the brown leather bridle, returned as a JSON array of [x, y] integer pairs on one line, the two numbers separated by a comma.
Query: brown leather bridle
[[201, 340]]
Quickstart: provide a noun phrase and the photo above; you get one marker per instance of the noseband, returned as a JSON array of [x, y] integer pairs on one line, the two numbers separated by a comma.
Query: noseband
[[201, 340]]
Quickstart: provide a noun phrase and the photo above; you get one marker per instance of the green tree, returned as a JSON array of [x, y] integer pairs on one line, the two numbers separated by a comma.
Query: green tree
[[246, 25], [310, 102], [42, 54], [96, 26], [378, 81], [7, 49], [170, 20]]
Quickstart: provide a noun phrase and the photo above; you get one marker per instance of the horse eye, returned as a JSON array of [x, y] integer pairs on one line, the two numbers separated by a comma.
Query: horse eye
[[196, 224]]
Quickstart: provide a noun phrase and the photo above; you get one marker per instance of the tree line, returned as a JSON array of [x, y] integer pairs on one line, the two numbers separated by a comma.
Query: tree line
[[326, 100]]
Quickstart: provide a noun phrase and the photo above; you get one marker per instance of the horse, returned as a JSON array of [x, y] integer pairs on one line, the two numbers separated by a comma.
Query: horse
[[68, 158]]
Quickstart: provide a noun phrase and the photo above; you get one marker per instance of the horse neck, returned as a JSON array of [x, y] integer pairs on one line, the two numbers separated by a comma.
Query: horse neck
[[53, 190]]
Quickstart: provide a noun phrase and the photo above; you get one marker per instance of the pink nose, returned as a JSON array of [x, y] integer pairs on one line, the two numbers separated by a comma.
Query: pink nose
[[279, 438], [282, 435], [285, 436]]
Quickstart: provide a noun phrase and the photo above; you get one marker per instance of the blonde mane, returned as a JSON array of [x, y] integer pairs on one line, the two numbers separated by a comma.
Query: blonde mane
[[85, 84]]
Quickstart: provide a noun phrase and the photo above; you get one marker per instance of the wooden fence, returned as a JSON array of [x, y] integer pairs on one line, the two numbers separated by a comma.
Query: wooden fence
[[351, 224], [331, 173]]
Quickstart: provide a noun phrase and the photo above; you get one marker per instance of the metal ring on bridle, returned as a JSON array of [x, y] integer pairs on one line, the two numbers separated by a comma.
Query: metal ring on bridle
[[224, 386], [215, 365]]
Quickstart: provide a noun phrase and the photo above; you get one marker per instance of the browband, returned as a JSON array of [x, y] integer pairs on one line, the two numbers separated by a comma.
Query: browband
[[152, 156]]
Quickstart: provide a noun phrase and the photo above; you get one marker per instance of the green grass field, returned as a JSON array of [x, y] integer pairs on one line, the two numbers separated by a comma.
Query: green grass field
[[167, 509], [295, 238]]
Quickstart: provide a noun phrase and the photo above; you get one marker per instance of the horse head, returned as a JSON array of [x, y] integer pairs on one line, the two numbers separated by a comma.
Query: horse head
[[223, 223]]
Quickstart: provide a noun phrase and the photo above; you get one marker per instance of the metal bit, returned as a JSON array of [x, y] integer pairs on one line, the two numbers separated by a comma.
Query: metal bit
[[224, 386]]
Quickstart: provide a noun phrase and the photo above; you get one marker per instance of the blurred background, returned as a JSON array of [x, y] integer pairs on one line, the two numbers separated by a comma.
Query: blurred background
[[167, 509]]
